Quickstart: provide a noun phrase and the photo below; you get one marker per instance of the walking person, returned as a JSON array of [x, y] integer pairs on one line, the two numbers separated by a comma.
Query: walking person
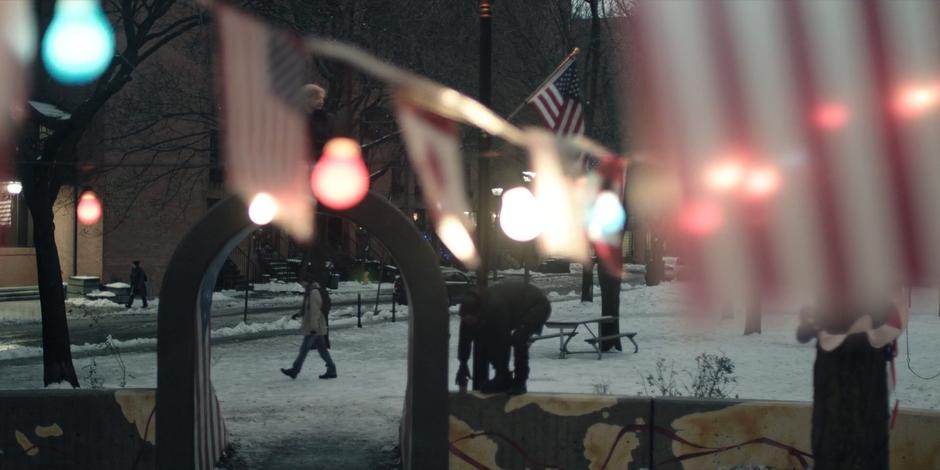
[[138, 284], [504, 316], [314, 328]]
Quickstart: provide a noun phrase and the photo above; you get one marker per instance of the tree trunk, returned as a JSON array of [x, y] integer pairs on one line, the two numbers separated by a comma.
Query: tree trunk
[[610, 307], [56, 346], [752, 319], [850, 407], [587, 282], [654, 265]]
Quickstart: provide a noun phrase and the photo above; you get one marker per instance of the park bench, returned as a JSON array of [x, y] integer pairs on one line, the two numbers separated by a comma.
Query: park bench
[[563, 339], [594, 341]]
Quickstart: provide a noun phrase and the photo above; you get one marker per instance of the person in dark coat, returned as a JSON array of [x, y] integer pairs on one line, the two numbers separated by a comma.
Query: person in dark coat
[[138, 284], [504, 316], [320, 123]]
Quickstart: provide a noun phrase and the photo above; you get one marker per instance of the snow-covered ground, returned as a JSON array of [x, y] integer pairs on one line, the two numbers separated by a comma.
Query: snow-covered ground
[[274, 420]]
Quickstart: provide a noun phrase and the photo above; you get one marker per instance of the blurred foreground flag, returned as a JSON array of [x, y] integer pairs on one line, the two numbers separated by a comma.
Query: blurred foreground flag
[[560, 197], [804, 135], [266, 141], [434, 152], [606, 216], [17, 49]]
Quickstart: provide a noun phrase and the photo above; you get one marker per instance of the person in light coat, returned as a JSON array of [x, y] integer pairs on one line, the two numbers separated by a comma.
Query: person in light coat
[[314, 327]]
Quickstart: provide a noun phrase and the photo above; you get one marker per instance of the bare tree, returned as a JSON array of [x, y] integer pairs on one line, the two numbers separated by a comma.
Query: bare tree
[[44, 164]]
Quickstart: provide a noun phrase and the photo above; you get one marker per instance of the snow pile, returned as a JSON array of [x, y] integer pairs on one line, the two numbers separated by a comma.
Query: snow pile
[[278, 286], [100, 293], [92, 303], [118, 285], [284, 323]]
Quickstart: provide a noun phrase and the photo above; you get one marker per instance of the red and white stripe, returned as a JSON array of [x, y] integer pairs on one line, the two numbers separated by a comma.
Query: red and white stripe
[[433, 145], [562, 113], [808, 89], [17, 45], [210, 434], [266, 141]]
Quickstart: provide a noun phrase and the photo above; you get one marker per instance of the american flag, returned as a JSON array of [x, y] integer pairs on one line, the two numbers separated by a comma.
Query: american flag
[[804, 137], [210, 434], [433, 148], [558, 102], [266, 141]]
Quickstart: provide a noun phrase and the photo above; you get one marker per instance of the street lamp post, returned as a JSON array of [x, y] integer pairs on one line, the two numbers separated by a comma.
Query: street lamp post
[[480, 366]]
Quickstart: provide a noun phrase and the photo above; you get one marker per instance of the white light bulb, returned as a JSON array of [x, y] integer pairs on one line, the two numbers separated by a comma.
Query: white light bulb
[[520, 217], [262, 209], [15, 187]]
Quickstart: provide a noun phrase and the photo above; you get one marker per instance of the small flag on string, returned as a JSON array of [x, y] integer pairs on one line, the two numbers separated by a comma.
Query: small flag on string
[[560, 195], [266, 141], [606, 217], [434, 151], [804, 135], [17, 47]]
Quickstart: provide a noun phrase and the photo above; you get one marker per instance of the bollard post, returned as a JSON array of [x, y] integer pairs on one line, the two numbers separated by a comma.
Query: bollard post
[[393, 309], [359, 310]]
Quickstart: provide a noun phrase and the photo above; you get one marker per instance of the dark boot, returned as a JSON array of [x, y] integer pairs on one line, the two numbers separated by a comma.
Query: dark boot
[[330, 373], [519, 378], [290, 373], [499, 384]]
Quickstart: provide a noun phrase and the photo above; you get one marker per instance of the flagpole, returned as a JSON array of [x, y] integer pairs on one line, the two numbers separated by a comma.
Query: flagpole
[[563, 63]]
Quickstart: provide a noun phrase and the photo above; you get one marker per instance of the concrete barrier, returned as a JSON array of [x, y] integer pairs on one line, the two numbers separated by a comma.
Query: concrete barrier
[[549, 431], [609, 432], [116, 429], [77, 429]]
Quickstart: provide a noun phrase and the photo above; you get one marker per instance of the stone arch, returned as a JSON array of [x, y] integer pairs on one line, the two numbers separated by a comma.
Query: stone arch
[[186, 299]]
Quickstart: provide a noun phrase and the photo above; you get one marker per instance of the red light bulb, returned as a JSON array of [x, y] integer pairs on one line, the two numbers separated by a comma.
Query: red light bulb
[[88, 210], [340, 179]]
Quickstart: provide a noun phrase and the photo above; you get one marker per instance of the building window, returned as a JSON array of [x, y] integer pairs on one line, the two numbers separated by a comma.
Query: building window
[[15, 223]]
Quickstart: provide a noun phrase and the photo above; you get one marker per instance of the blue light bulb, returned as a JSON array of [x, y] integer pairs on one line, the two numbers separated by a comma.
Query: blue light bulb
[[607, 216], [79, 43]]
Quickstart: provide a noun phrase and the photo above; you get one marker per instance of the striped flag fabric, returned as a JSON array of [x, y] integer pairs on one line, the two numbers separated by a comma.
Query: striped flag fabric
[[266, 144], [803, 134], [561, 193], [17, 46], [211, 436], [606, 185], [433, 146], [558, 102]]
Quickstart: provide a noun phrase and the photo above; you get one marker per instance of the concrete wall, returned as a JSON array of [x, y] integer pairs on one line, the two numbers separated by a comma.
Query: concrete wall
[[69, 429], [89, 239], [602, 431], [77, 429], [549, 431], [17, 267]]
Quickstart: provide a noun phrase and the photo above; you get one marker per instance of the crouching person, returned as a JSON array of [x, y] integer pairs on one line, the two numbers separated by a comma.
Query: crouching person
[[503, 317]]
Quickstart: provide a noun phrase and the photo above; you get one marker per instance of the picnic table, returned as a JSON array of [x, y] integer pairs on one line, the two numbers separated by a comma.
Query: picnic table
[[567, 329]]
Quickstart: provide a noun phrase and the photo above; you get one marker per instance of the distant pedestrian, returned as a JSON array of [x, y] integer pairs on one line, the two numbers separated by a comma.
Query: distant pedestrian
[[502, 317], [320, 123], [138, 284], [314, 328]]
